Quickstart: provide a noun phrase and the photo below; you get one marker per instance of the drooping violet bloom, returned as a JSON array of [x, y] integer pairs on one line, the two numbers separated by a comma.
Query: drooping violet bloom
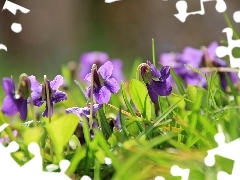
[[13, 102], [84, 112], [103, 84], [99, 58], [7, 139], [39, 93], [190, 56], [156, 81], [211, 58]]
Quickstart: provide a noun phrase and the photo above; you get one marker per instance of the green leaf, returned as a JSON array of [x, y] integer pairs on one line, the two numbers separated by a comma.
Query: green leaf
[[105, 124], [140, 98], [233, 90], [61, 130], [79, 155], [81, 90], [159, 119], [129, 106], [33, 135], [193, 92], [132, 160], [132, 128]]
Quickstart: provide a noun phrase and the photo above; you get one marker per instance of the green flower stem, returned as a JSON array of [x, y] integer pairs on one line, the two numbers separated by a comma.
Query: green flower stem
[[31, 103], [49, 112], [94, 67], [48, 98], [153, 53]]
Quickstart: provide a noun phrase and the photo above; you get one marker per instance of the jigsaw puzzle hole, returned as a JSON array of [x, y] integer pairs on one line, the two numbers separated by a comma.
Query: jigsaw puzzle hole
[[236, 52]]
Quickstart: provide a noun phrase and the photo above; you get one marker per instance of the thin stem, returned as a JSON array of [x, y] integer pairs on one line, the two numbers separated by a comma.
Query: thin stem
[[31, 102], [49, 112], [122, 111], [153, 53], [219, 69], [48, 98], [94, 68]]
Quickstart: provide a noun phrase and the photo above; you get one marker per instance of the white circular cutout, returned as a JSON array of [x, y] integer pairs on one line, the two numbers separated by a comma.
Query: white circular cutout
[[16, 27], [236, 16]]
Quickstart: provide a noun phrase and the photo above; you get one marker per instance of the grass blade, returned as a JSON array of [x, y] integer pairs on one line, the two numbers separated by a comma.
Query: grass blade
[[159, 119], [81, 90]]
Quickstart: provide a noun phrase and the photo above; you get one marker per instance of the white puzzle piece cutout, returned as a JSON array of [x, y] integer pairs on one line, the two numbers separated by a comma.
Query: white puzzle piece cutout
[[182, 7], [33, 169], [228, 150], [12, 7], [111, 1], [177, 171], [3, 47], [222, 51]]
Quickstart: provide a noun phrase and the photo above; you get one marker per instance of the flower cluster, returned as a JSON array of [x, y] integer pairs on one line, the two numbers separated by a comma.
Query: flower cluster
[[16, 100], [196, 58]]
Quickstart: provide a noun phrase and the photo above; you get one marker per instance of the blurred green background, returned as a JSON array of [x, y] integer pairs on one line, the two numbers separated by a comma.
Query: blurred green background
[[58, 31]]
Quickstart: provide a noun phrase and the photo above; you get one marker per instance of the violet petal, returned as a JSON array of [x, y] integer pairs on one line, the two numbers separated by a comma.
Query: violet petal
[[59, 96], [112, 85], [56, 83], [192, 56], [102, 95], [86, 110], [9, 106], [35, 85], [106, 70], [117, 73], [154, 70], [8, 86], [88, 77], [89, 58], [153, 95], [22, 108], [165, 72], [211, 49], [161, 88], [75, 110]]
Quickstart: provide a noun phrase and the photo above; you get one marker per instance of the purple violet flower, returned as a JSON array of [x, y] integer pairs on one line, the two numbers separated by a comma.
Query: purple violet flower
[[84, 112], [99, 58], [13, 102], [191, 57], [210, 55], [195, 57], [156, 81], [39, 93], [103, 83]]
